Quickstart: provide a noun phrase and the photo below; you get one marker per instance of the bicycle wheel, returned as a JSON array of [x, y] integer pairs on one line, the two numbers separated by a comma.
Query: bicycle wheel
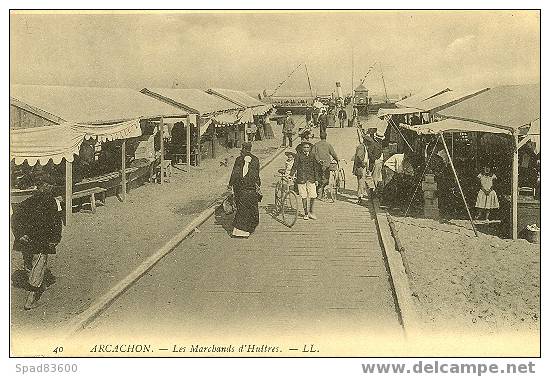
[[342, 175], [337, 183], [290, 208], [278, 196]]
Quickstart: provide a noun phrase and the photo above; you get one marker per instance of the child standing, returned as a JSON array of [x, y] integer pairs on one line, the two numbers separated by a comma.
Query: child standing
[[486, 197], [287, 170]]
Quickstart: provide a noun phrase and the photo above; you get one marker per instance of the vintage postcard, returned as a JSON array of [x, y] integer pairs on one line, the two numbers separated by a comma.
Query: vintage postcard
[[275, 183]]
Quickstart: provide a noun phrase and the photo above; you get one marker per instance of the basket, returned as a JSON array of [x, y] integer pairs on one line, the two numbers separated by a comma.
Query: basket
[[228, 205]]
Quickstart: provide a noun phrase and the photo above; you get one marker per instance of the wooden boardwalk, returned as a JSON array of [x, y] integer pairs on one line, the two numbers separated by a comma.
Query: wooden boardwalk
[[320, 277]]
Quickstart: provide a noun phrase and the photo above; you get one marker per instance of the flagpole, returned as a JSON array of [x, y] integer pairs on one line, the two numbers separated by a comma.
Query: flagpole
[[352, 71]]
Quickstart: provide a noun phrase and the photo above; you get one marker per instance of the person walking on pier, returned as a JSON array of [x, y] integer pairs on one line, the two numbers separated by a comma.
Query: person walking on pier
[[324, 154], [245, 181], [361, 169], [288, 129], [323, 120], [307, 177], [342, 116], [37, 226]]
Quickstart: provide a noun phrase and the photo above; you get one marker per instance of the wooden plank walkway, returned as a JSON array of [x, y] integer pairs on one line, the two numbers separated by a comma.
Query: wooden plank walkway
[[322, 275]]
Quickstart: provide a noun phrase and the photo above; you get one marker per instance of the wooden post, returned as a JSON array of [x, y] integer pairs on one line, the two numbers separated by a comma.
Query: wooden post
[[199, 154], [452, 145], [123, 171], [188, 140], [68, 191], [515, 164], [161, 130], [214, 139], [458, 182], [476, 150]]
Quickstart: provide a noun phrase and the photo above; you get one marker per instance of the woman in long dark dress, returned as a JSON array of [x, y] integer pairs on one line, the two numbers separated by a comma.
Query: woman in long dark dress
[[245, 181]]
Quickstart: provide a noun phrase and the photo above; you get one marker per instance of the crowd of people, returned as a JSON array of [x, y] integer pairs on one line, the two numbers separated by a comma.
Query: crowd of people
[[37, 224], [391, 176]]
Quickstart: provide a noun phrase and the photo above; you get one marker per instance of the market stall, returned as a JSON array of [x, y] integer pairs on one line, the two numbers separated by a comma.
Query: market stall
[[209, 113], [89, 127], [255, 114], [510, 111]]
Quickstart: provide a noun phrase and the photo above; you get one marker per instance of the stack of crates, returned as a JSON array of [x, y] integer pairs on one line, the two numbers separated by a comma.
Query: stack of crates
[[431, 203]]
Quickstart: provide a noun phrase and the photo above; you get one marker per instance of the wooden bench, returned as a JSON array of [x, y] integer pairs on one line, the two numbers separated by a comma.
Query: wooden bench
[[91, 192]]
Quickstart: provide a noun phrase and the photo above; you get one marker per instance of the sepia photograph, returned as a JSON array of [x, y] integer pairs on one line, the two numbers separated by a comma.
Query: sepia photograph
[[274, 183]]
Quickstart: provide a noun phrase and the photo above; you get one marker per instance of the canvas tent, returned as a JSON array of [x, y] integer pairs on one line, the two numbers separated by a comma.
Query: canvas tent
[[242, 99], [447, 99], [63, 116], [511, 109], [382, 112], [414, 100], [42, 144], [203, 105], [427, 108], [431, 104], [452, 125], [87, 105]]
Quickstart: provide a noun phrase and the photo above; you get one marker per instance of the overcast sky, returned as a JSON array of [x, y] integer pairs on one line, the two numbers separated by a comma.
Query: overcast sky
[[416, 50]]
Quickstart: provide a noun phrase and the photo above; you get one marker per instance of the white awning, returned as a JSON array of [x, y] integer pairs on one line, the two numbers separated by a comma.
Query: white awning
[[106, 132], [453, 125], [225, 118], [403, 110], [261, 110], [42, 144], [245, 116]]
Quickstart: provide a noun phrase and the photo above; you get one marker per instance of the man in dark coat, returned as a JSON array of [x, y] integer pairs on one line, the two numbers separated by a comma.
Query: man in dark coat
[[342, 116], [36, 225], [288, 129], [307, 178], [323, 121]]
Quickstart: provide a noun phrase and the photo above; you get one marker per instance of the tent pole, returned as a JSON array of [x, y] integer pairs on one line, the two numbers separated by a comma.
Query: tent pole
[[524, 141], [458, 182], [214, 139], [452, 145], [68, 191], [419, 182], [161, 131], [515, 164], [123, 170], [188, 140], [403, 137]]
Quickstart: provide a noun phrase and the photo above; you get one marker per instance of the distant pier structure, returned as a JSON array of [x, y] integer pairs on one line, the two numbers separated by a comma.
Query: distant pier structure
[[362, 100], [296, 104]]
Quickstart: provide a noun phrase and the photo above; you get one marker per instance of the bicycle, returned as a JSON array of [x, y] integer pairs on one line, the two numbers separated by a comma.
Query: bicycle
[[336, 181], [340, 176], [286, 200]]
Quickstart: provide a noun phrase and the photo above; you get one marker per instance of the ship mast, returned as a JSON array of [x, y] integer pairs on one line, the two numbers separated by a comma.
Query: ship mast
[[352, 72], [308, 81], [383, 81]]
